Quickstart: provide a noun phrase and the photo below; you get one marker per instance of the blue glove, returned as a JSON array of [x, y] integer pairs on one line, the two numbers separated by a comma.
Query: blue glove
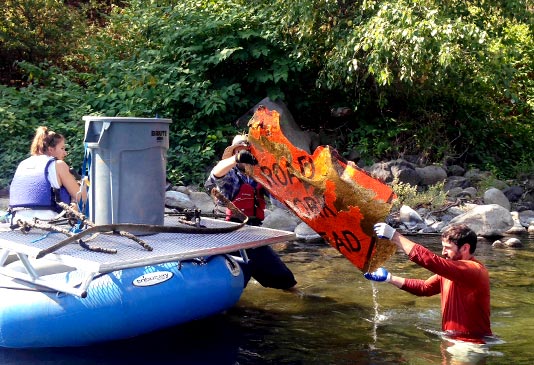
[[380, 274], [382, 230]]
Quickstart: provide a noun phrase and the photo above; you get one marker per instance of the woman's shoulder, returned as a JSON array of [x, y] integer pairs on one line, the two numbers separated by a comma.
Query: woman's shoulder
[[62, 168], [60, 164]]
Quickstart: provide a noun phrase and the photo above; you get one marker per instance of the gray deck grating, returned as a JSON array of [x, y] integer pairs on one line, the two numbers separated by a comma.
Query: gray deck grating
[[166, 246]]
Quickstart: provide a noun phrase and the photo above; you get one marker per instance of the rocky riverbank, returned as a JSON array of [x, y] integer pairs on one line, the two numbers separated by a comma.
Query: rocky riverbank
[[500, 212]]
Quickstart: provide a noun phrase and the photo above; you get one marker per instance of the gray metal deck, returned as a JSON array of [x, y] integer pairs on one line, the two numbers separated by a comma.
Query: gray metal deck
[[166, 247]]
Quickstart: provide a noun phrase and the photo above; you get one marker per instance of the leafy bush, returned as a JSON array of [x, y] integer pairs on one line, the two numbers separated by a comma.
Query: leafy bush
[[59, 104], [201, 64], [36, 31], [453, 77], [434, 197]]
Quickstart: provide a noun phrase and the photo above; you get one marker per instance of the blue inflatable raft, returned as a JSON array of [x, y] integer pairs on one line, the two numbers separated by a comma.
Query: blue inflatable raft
[[76, 297]]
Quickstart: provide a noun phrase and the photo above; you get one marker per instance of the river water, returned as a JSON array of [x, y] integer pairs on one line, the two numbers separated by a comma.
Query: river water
[[341, 319]]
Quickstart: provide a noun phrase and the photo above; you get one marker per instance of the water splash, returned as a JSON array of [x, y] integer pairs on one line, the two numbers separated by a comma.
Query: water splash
[[377, 317], [466, 352]]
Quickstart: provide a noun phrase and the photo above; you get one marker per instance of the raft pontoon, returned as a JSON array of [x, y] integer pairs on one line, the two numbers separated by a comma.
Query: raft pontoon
[[77, 297]]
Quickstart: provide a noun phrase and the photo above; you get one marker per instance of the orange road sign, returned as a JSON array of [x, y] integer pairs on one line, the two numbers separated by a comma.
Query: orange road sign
[[338, 200]]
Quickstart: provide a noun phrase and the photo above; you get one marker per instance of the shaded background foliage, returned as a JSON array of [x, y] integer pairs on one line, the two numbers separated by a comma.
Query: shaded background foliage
[[449, 82]]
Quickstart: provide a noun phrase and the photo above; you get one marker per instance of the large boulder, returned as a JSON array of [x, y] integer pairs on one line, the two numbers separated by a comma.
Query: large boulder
[[431, 175], [202, 201], [526, 218], [490, 220], [513, 193], [303, 232], [475, 176], [496, 196], [399, 169], [410, 218], [518, 227], [455, 170], [178, 200], [453, 182], [282, 219]]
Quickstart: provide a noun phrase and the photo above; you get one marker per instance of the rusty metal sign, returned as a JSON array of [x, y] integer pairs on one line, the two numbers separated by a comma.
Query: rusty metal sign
[[338, 200]]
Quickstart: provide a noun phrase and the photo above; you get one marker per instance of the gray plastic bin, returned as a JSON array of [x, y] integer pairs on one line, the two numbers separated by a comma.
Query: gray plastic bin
[[128, 158]]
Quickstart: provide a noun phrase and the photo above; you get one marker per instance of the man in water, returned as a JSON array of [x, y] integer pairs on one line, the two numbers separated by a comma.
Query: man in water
[[462, 280]]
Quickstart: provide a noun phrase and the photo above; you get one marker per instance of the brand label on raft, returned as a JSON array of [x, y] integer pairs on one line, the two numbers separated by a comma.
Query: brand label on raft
[[152, 278]]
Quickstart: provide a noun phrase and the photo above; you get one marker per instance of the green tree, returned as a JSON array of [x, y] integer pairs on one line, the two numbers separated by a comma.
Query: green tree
[[446, 81], [201, 64], [452, 80], [36, 31]]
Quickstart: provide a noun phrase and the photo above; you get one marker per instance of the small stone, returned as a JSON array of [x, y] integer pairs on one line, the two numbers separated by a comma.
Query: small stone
[[513, 243]]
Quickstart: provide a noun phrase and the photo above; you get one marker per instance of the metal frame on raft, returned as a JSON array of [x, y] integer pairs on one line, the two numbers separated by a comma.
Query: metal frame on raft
[[86, 264]]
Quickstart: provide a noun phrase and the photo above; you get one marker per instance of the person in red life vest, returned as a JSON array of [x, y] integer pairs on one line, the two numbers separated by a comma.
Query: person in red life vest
[[462, 280], [230, 178], [43, 179]]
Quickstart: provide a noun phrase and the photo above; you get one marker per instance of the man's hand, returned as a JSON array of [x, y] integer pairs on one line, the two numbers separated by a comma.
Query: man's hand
[[383, 230], [380, 274], [245, 156]]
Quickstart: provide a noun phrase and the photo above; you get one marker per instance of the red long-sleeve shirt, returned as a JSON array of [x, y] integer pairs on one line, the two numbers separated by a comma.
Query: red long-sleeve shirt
[[465, 292]]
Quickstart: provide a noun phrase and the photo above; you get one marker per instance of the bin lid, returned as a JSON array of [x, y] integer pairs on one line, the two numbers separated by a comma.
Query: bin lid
[[125, 119]]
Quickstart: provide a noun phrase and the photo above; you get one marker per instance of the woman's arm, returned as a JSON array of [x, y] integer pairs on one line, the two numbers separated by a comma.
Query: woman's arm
[[66, 179]]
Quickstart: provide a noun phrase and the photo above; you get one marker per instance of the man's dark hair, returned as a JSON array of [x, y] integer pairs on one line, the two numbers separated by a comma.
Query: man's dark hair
[[460, 234]]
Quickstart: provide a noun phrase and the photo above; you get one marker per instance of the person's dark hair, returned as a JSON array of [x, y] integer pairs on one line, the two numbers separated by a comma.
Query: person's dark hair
[[460, 234], [44, 139]]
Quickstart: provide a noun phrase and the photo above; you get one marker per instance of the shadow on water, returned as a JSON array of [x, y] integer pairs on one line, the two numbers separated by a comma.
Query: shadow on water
[[211, 341], [341, 319]]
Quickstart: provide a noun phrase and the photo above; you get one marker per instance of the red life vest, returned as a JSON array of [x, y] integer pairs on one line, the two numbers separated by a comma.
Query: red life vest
[[250, 201]]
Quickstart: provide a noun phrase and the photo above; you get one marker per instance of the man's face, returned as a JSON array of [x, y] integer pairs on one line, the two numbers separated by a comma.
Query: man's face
[[450, 251]]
